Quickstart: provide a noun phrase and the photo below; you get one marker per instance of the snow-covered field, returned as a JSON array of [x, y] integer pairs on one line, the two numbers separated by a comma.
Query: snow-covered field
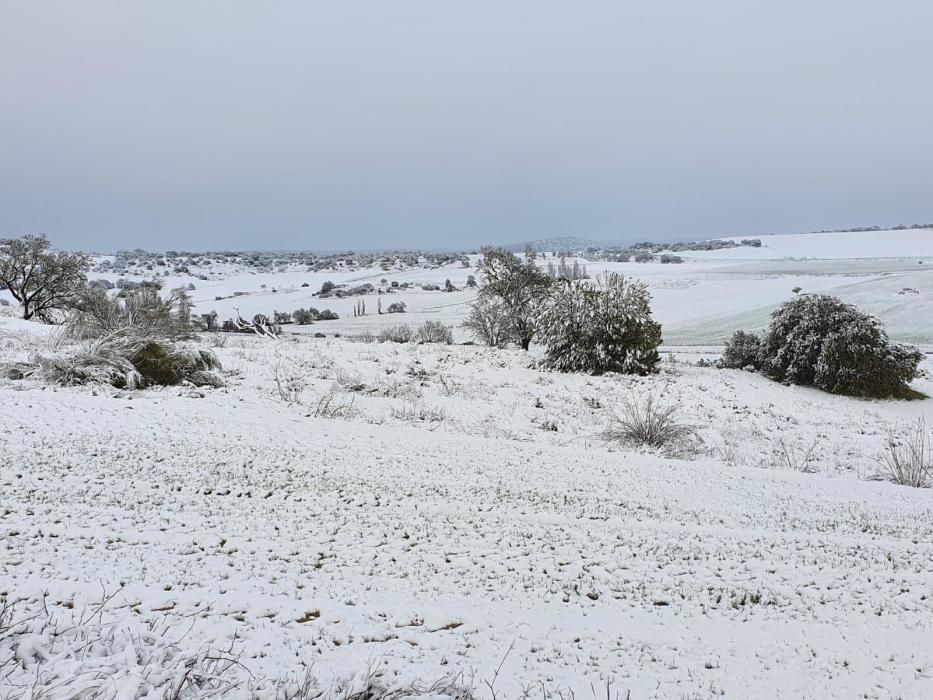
[[699, 302], [431, 512]]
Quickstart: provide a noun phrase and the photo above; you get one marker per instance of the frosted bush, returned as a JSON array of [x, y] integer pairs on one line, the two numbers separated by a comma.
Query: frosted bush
[[742, 351], [600, 328], [817, 340]]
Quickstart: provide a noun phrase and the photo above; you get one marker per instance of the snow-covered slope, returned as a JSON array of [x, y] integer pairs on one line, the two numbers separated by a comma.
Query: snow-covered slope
[[464, 507], [911, 243]]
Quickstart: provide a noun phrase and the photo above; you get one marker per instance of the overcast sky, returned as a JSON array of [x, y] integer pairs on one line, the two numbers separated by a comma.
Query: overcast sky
[[342, 124]]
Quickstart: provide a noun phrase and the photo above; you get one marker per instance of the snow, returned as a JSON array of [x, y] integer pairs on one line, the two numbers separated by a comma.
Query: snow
[[441, 527], [911, 243], [428, 547]]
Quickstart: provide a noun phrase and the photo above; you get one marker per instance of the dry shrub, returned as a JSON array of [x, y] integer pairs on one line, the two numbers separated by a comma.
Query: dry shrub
[[435, 332], [289, 381], [49, 652], [166, 364], [649, 422], [330, 405], [797, 460], [418, 412], [141, 313], [908, 458], [402, 333]]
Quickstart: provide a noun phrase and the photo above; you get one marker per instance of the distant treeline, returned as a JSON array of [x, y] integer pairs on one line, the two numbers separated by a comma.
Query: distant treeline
[[865, 229], [647, 251]]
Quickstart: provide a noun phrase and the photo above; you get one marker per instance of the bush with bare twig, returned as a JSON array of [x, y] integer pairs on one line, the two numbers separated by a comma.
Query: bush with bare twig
[[330, 405], [908, 457], [434, 332], [647, 421], [402, 333]]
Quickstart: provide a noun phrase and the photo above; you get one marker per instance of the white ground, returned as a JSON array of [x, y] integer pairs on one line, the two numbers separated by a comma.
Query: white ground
[[445, 520]]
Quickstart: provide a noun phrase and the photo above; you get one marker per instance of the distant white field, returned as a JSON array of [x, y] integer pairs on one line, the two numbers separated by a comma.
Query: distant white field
[[699, 302], [831, 246]]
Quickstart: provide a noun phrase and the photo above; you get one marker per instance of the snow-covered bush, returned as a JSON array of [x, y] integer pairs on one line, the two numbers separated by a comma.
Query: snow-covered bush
[[131, 366], [489, 320], [818, 340], [435, 332], [141, 313], [397, 307], [100, 365], [606, 327], [167, 364], [131, 342], [742, 351]]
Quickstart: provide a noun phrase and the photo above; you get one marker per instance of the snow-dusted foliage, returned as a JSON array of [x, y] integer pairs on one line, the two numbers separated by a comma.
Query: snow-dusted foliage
[[742, 351], [818, 340], [600, 328], [142, 313], [521, 287], [43, 281]]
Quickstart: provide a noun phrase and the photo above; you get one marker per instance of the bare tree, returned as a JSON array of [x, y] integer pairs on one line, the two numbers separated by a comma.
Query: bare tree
[[489, 320], [40, 279], [520, 285]]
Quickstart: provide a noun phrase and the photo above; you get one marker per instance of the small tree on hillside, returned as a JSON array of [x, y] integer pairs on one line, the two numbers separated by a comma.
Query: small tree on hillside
[[599, 328], [40, 279], [520, 285]]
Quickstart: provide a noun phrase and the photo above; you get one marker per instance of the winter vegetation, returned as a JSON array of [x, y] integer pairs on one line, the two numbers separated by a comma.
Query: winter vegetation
[[600, 328], [646, 479], [43, 281], [817, 340]]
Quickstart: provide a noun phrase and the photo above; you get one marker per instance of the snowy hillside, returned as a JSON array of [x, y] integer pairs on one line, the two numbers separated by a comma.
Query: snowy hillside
[[451, 520], [464, 505]]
